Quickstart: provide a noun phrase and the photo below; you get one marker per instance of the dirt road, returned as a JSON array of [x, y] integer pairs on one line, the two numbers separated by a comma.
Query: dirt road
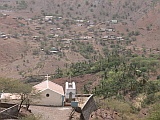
[[51, 113]]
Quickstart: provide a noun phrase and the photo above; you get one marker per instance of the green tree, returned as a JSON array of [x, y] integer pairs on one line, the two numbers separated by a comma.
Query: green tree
[[58, 73], [16, 86], [87, 3]]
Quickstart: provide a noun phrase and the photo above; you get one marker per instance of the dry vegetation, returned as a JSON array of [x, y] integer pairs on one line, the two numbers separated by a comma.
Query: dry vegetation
[[22, 56], [79, 31]]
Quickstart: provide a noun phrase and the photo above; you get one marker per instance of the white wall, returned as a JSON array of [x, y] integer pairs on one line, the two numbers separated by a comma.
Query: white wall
[[71, 89], [68, 91], [54, 99]]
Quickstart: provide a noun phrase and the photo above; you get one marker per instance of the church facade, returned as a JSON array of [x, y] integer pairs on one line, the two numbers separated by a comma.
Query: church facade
[[51, 94]]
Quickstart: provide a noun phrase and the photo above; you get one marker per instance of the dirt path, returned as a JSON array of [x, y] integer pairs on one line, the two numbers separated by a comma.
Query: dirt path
[[51, 113]]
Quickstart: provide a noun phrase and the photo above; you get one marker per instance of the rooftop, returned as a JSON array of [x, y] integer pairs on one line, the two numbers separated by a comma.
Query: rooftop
[[49, 85]]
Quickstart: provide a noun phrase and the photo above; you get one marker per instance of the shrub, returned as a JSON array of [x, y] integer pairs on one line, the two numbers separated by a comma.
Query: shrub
[[154, 112], [158, 77]]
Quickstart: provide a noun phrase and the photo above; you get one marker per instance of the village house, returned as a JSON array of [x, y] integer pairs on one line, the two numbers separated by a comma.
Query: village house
[[58, 28], [55, 36], [114, 21], [112, 37], [47, 18], [3, 36], [3, 15], [90, 24], [85, 37], [59, 17], [102, 29], [119, 38], [50, 22], [37, 28], [51, 94], [54, 50], [110, 30], [105, 37], [80, 21], [51, 29], [36, 37]]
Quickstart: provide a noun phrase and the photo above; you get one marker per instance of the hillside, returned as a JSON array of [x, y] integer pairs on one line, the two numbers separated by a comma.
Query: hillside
[[19, 61], [110, 48], [22, 55]]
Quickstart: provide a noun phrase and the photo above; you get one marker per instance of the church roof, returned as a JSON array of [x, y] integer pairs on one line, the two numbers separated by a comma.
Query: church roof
[[49, 85]]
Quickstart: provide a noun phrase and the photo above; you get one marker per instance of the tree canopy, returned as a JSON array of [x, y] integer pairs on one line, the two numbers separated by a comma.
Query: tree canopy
[[14, 86]]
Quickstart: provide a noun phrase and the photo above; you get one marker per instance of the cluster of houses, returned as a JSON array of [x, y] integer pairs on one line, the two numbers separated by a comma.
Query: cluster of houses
[[4, 36], [78, 22], [112, 37], [59, 29]]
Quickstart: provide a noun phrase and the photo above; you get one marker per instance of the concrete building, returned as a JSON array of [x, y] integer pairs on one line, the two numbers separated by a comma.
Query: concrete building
[[51, 94], [54, 50], [47, 18], [114, 21], [70, 91]]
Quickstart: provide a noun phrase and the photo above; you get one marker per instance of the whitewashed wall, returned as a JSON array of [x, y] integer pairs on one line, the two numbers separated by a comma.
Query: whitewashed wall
[[54, 99]]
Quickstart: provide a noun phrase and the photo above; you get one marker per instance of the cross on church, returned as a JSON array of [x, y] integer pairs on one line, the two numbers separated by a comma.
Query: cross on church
[[47, 76]]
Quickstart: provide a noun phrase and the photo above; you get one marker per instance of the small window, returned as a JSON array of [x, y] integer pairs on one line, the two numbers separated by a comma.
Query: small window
[[47, 95]]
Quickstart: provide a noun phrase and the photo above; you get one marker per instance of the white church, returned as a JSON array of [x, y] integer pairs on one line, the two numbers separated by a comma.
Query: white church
[[53, 94]]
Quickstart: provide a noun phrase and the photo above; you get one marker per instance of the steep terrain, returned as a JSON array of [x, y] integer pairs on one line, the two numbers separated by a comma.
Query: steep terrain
[[108, 47], [17, 57]]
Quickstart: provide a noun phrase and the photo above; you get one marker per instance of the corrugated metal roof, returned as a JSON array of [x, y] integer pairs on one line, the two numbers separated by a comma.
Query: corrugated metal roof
[[49, 85]]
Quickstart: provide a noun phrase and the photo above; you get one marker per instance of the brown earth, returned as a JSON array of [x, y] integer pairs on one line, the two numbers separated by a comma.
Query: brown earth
[[16, 56], [80, 81]]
